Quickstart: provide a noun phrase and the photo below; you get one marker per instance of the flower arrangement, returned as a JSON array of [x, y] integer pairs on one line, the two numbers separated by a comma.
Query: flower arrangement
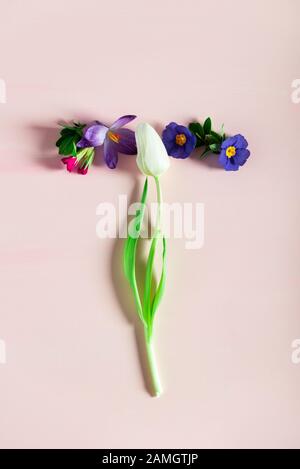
[[78, 143]]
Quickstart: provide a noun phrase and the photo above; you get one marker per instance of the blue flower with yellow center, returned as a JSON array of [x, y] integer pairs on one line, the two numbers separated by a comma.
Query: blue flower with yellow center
[[178, 140], [234, 152]]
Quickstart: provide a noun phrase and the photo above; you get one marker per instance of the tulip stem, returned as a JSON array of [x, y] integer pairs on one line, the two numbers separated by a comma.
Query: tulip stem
[[159, 202], [153, 371]]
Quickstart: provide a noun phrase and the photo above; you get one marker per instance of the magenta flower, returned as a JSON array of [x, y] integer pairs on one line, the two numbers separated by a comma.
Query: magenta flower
[[82, 161], [70, 162], [115, 139]]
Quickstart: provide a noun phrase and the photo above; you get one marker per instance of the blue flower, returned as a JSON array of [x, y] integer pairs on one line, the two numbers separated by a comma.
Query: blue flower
[[234, 153], [178, 140]]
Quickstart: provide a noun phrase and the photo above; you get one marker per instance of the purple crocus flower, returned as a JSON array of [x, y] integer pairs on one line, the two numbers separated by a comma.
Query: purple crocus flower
[[115, 139], [234, 152], [178, 140]]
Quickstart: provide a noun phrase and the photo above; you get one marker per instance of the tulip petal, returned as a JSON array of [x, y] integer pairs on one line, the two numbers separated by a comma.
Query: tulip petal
[[152, 158], [110, 154], [122, 121]]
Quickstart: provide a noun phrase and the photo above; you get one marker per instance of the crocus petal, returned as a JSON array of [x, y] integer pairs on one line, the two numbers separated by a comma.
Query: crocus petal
[[110, 154], [95, 134], [83, 143], [127, 143], [122, 121], [70, 162]]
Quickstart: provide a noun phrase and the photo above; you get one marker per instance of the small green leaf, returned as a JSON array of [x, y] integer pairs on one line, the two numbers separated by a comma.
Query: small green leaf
[[217, 137], [223, 135], [59, 141], [69, 137], [214, 147], [211, 139], [197, 129], [205, 153], [66, 132], [67, 146], [207, 126]]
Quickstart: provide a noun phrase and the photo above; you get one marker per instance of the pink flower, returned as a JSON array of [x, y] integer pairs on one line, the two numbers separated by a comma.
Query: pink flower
[[70, 162], [82, 161], [82, 170]]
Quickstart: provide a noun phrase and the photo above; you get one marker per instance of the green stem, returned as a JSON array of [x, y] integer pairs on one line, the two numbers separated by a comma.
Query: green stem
[[155, 381], [159, 202], [153, 371]]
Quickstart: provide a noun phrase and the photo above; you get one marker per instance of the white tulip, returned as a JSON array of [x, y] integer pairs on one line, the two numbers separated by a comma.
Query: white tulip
[[152, 157]]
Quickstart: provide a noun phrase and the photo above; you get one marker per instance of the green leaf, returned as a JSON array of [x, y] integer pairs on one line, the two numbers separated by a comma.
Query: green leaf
[[217, 137], [76, 126], [205, 153], [148, 281], [215, 147], [146, 309], [207, 126], [66, 132], [69, 137], [67, 146], [130, 253], [152, 299], [59, 141], [151, 304], [222, 132], [161, 286], [197, 129], [211, 139]]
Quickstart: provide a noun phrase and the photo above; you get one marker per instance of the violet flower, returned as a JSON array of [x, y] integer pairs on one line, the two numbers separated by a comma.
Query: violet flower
[[179, 140], [234, 152], [115, 139]]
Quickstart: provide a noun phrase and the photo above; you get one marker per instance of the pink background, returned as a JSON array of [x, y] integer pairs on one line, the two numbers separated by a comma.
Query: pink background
[[231, 309]]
